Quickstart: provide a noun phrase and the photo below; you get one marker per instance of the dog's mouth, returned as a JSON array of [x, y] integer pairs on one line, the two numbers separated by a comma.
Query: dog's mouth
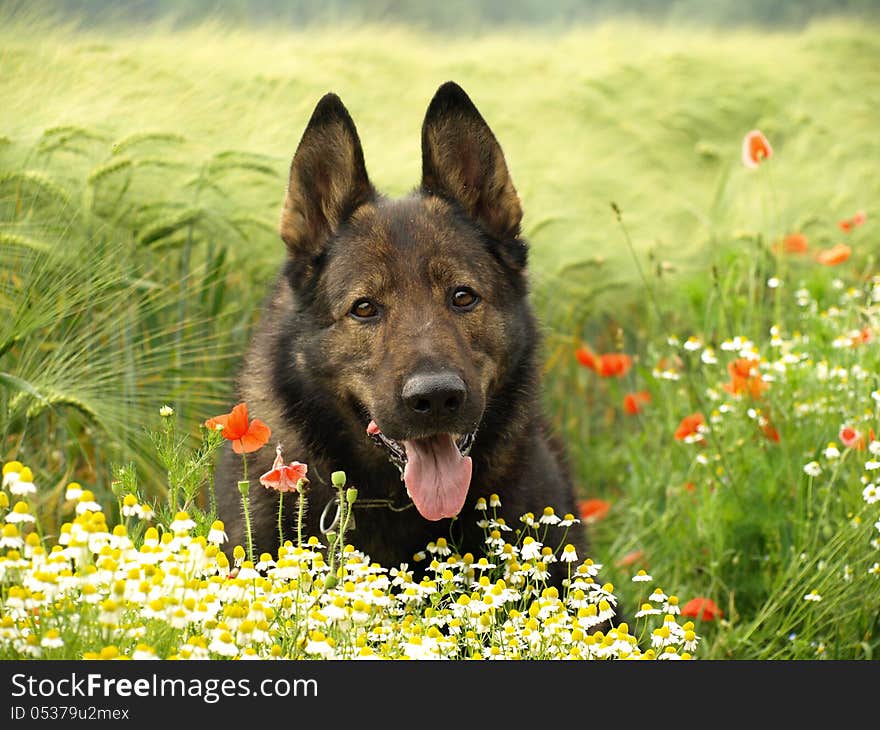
[[436, 469]]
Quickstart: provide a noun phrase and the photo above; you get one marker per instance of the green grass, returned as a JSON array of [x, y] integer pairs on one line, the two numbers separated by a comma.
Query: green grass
[[141, 176]]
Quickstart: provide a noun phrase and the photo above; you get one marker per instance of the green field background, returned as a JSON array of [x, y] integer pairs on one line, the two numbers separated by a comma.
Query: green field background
[[143, 166]]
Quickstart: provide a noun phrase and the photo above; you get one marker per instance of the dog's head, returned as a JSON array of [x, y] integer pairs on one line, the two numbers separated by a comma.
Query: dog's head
[[416, 303]]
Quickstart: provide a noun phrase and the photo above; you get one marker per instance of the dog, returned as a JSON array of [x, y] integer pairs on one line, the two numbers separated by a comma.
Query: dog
[[398, 345]]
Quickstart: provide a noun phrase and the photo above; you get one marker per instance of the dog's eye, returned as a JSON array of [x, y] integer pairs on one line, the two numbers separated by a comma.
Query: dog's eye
[[364, 309], [465, 299]]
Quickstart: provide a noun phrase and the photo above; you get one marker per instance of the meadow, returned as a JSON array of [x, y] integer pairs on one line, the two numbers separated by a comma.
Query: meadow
[[728, 450]]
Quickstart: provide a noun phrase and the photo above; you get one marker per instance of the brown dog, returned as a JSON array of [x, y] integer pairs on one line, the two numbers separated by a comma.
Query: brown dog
[[398, 345]]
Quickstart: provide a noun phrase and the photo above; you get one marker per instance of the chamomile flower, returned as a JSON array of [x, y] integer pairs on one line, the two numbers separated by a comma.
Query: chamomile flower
[[658, 596], [708, 356], [20, 513], [690, 638], [642, 577], [223, 644], [217, 534], [569, 554], [10, 537], [24, 484], [812, 469], [540, 571], [646, 609], [182, 524], [320, 645], [606, 612], [265, 562], [813, 596], [86, 503], [130, 506], [11, 473], [483, 564], [549, 517], [144, 651], [73, 492], [51, 640], [871, 493], [531, 548], [528, 519]]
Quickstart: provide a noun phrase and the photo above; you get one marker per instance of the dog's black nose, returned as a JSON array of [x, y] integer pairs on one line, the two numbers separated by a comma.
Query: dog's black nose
[[434, 395]]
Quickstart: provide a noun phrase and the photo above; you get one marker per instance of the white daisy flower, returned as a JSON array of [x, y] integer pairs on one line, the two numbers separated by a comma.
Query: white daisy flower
[[549, 517], [812, 469], [531, 549], [217, 534], [23, 484]]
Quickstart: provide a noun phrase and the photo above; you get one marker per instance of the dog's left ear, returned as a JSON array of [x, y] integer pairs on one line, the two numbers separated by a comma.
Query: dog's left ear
[[328, 180], [462, 161]]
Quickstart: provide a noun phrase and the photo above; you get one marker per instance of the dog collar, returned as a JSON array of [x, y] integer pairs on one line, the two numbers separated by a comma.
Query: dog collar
[[333, 507]]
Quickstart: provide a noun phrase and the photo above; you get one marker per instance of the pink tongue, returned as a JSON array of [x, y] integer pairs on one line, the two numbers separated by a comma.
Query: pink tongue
[[437, 476]]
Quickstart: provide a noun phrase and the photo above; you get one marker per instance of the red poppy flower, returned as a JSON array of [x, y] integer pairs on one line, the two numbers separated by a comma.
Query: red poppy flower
[[246, 436], [795, 243], [744, 378], [755, 149], [586, 357], [704, 609], [847, 224], [593, 510], [864, 335], [769, 430], [613, 364], [284, 477], [837, 254], [690, 427], [853, 439], [630, 558], [633, 402]]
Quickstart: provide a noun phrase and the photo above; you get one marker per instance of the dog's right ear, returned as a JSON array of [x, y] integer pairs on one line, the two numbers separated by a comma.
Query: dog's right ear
[[462, 160], [328, 180]]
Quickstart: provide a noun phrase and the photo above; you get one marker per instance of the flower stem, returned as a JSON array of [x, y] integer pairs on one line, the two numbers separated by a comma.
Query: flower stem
[[280, 520], [212, 497], [244, 487], [299, 517]]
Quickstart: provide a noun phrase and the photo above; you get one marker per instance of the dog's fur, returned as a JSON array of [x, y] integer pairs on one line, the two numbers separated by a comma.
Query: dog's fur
[[318, 375]]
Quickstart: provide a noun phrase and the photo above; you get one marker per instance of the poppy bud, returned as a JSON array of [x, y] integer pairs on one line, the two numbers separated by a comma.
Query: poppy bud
[[338, 478]]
